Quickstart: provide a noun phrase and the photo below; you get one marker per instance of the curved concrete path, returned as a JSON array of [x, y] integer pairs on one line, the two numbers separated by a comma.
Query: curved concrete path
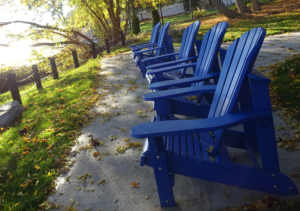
[[121, 169]]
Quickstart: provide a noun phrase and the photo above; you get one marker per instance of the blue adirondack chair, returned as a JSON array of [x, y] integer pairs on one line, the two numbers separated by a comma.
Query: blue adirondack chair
[[185, 146], [207, 67], [187, 51], [150, 44], [207, 59], [164, 45]]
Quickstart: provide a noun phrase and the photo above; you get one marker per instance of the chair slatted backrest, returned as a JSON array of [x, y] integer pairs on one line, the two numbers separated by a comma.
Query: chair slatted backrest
[[189, 36], [162, 37], [239, 61], [187, 43], [154, 33], [211, 42]]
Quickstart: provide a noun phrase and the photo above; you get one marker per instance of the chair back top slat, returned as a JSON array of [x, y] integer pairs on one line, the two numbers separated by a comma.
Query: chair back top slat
[[211, 42], [162, 37], [154, 33]]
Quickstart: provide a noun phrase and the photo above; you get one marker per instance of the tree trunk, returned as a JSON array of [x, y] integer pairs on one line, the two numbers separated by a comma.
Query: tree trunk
[[113, 19], [255, 5], [224, 10], [241, 6], [127, 10]]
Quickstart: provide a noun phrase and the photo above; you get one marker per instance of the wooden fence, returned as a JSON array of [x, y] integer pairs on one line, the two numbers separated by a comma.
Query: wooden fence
[[13, 83]]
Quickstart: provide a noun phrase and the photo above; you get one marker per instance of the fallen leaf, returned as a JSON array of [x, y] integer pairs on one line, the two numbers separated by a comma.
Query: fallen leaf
[[134, 185], [47, 205], [210, 149], [94, 142], [101, 181], [295, 175], [96, 154], [111, 137], [23, 131], [71, 201]]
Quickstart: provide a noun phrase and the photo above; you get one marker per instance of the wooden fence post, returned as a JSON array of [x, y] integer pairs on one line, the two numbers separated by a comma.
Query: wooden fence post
[[107, 46], [36, 76], [122, 38], [93, 50], [53, 68], [75, 59], [13, 86]]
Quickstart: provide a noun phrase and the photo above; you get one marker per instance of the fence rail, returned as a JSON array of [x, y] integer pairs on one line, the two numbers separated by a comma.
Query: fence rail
[[13, 83]]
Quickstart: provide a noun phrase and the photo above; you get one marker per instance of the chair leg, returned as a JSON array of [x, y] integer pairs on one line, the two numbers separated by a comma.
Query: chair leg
[[143, 69], [162, 174]]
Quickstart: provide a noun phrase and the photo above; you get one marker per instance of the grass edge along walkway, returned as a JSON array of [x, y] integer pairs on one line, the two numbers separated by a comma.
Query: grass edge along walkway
[[34, 148]]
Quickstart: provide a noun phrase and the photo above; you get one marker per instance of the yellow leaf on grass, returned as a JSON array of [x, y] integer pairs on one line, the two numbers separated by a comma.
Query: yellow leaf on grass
[[37, 166], [10, 177], [16, 204], [59, 90], [36, 192], [25, 153]]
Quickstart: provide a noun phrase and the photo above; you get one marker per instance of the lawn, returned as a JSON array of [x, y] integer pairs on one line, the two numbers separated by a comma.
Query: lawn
[[34, 148], [276, 17], [285, 88]]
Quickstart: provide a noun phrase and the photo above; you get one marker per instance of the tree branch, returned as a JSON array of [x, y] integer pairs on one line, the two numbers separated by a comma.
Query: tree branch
[[47, 27], [51, 44]]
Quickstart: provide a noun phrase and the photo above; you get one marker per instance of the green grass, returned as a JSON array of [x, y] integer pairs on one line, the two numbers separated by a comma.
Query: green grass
[[274, 24], [286, 81], [51, 121], [147, 26]]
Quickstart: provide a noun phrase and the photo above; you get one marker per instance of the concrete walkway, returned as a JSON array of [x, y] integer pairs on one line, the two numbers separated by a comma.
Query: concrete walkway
[[119, 170]]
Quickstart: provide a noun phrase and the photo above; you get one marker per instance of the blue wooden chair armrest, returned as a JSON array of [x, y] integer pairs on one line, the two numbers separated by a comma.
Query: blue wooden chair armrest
[[143, 46], [169, 68], [143, 43], [182, 82], [175, 127], [166, 94], [172, 63], [160, 57], [258, 76], [153, 49]]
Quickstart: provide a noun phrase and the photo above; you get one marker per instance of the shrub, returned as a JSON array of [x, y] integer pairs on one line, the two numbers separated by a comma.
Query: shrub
[[135, 23], [199, 12], [155, 17]]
